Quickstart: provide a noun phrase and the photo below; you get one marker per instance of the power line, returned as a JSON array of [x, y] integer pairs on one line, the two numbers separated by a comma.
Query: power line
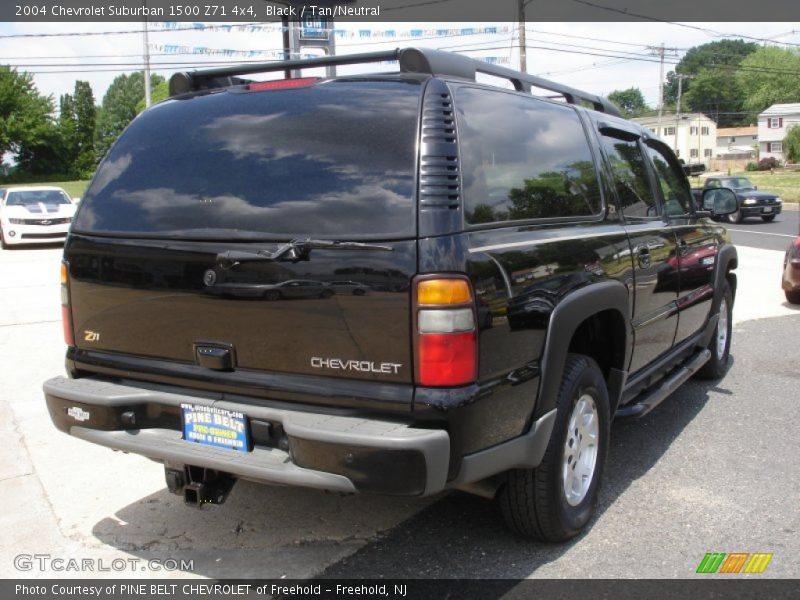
[[712, 32]]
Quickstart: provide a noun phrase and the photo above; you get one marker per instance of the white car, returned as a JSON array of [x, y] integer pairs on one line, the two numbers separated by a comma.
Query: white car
[[34, 215]]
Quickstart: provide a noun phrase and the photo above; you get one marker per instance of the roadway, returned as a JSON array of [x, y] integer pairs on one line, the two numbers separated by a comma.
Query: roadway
[[777, 235]]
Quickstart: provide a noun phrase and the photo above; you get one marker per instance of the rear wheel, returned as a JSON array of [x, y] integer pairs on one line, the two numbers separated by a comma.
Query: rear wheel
[[793, 296], [720, 345], [768, 218], [553, 502]]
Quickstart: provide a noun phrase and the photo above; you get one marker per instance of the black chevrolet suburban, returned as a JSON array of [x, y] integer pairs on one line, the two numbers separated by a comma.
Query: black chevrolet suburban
[[522, 267]]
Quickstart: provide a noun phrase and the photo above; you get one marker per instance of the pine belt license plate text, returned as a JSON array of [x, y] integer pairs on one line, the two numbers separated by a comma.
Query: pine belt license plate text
[[216, 427]]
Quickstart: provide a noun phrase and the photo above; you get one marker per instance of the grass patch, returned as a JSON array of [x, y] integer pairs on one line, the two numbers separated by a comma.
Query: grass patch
[[75, 189]]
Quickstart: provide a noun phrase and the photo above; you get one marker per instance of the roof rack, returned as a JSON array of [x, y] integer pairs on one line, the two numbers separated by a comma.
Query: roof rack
[[412, 60]]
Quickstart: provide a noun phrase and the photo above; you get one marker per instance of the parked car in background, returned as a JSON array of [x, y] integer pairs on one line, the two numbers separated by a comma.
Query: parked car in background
[[34, 215], [752, 203], [791, 272]]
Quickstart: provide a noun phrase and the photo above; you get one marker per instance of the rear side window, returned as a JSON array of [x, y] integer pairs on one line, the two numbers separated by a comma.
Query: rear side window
[[334, 160], [523, 158]]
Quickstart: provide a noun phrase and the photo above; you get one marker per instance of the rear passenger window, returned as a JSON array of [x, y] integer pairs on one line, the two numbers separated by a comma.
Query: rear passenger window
[[630, 177], [523, 158]]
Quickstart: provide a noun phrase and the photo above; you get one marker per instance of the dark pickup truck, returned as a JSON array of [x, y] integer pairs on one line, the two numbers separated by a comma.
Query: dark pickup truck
[[394, 283], [751, 202]]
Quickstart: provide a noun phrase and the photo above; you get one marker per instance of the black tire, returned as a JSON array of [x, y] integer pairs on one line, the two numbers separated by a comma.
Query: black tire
[[272, 295], [717, 365], [735, 217], [358, 292], [768, 218], [326, 294], [3, 240], [534, 502], [792, 297]]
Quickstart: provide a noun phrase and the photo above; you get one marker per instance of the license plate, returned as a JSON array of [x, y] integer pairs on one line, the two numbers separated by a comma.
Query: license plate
[[768, 209], [217, 427]]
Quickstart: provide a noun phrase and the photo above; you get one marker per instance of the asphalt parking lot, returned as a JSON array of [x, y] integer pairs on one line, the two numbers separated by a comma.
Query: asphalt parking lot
[[711, 470]]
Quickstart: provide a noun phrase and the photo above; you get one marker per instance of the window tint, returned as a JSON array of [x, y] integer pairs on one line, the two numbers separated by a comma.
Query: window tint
[[523, 158], [332, 160], [630, 177], [672, 183]]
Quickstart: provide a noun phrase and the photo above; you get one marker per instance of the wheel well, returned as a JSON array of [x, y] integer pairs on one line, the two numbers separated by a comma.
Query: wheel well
[[602, 336]]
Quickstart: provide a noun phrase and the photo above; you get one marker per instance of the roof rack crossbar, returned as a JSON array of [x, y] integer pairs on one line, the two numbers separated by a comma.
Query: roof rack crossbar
[[412, 60]]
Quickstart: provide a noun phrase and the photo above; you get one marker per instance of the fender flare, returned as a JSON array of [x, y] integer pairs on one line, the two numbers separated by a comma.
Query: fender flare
[[571, 312], [726, 255]]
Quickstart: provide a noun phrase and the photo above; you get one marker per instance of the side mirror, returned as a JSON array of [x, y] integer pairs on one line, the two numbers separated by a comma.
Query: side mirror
[[720, 201], [755, 187]]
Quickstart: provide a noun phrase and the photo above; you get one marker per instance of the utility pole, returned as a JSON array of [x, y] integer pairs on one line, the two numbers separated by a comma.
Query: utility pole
[[680, 77], [148, 93], [523, 49], [661, 51]]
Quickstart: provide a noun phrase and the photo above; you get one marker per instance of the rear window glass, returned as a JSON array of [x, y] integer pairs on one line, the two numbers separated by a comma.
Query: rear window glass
[[523, 158], [333, 160]]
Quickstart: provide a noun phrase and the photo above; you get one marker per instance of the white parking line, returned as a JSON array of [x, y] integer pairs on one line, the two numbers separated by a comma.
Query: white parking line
[[762, 232]]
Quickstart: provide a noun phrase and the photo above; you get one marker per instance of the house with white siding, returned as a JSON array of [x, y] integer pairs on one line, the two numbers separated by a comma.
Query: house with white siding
[[693, 136], [773, 124]]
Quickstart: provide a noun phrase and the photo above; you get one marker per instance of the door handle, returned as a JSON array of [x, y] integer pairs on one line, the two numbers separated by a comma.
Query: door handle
[[643, 256]]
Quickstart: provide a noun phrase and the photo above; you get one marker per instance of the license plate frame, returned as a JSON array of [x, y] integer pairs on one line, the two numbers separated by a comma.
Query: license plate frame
[[767, 210], [215, 427]]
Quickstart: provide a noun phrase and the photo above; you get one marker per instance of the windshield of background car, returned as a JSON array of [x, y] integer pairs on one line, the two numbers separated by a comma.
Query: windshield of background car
[[335, 160], [738, 183], [35, 197]]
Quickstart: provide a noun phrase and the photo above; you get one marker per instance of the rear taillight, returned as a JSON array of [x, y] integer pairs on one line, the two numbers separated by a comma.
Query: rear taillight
[[282, 84], [66, 313], [445, 337]]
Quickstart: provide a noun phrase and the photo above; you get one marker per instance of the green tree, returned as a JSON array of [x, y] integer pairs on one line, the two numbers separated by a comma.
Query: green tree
[[85, 122], [27, 128], [67, 125], [791, 144], [159, 93], [768, 76], [713, 56], [717, 94], [119, 108], [630, 101]]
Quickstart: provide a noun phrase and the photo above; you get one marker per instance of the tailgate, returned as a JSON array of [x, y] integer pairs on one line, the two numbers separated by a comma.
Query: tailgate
[[343, 313]]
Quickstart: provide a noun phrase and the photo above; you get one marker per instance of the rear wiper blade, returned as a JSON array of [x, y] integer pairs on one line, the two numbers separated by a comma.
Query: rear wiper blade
[[294, 251]]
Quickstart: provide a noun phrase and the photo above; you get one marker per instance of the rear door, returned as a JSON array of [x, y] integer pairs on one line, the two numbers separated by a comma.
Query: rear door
[[245, 172]]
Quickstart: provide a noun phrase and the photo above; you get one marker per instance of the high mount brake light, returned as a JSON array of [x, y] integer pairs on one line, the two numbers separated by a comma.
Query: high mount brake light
[[282, 84], [445, 337], [66, 313]]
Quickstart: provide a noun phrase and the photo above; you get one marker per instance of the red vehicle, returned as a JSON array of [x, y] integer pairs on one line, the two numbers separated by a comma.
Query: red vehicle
[[791, 272]]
